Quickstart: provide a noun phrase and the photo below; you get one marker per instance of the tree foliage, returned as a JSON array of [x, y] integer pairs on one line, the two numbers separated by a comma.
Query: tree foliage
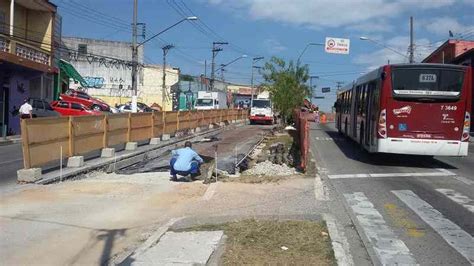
[[287, 84]]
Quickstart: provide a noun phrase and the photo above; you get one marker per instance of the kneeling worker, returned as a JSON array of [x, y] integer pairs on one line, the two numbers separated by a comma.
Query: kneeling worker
[[185, 161]]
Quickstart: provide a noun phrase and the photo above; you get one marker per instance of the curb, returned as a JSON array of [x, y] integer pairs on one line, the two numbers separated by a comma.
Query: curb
[[339, 242]]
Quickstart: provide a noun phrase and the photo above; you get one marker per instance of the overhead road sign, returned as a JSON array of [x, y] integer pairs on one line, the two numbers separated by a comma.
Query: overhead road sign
[[337, 45], [325, 89]]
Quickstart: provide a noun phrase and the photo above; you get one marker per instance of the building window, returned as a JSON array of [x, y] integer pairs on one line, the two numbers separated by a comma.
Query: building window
[[3, 23], [82, 49]]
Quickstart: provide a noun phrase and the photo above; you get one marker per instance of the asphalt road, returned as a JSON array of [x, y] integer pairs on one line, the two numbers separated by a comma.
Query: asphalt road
[[406, 209], [11, 159]]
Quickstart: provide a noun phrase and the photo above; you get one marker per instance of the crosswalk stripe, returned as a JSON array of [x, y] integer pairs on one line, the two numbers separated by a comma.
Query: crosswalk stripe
[[459, 198], [449, 231], [389, 249], [380, 175]]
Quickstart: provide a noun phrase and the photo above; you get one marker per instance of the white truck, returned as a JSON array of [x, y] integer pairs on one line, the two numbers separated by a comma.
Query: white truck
[[207, 100], [262, 110]]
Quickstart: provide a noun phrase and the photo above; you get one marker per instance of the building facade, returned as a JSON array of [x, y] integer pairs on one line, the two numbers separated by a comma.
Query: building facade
[[29, 32], [106, 68]]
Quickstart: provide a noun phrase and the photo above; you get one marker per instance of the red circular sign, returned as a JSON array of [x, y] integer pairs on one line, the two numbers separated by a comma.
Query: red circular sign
[[331, 43]]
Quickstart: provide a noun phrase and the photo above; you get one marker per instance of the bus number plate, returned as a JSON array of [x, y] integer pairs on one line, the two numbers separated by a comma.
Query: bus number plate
[[427, 78]]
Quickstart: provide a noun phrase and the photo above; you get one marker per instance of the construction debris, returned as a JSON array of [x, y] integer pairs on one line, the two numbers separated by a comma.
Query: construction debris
[[270, 169]]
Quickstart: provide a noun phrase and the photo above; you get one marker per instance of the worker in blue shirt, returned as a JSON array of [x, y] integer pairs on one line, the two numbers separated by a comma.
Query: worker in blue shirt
[[184, 162]]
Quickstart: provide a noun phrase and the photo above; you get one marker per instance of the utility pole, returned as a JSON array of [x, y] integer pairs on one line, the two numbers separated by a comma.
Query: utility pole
[[222, 72], [412, 49], [215, 49], [205, 74], [165, 48], [255, 59], [339, 85], [134, 57]]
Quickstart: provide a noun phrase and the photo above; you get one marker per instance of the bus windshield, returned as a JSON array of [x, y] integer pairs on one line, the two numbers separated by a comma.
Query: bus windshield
[[204, 102], [261, 103], [427, 82]]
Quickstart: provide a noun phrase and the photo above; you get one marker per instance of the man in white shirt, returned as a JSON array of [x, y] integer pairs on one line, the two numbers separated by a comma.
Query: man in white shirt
[[26, 110]]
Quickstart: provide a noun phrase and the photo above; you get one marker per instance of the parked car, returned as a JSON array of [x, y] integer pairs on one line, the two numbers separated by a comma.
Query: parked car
[[81, 97], [66, 108], [127, 108], [41, 108]]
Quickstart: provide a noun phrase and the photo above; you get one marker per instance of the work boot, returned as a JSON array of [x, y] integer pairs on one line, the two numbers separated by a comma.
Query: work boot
[[174, 179]]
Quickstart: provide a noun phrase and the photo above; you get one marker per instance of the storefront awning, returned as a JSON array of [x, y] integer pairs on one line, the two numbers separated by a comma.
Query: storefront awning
[[71, 72]]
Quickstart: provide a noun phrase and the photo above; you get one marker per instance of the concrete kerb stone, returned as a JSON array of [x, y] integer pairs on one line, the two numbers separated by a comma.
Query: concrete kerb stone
[[29, 175], [155, 141], [211, 126], [107, 153], [165, 137], [197, 130], [131, 146], [75, 161]]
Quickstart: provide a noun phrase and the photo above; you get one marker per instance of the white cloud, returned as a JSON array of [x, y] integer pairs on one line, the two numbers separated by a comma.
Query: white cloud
[[274, 46], [330, 13], [442, 25], [400, 44]]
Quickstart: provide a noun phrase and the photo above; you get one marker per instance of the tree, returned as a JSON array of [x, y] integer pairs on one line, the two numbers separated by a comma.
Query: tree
[[287, 84]]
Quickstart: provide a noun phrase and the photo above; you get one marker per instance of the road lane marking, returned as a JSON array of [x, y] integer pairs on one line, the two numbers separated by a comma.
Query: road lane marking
[[11, 161], [402, 219], [464, 180], [378, 175], [210, 191], [457, 238], [459, 198], [339, 242], [389, 249]]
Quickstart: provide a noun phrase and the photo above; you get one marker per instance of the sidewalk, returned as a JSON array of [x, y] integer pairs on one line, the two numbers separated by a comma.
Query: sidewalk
[[10, 140]]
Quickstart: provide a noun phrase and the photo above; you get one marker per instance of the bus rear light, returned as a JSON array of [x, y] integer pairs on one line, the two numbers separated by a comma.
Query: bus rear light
[[382, 129], [466, 128]]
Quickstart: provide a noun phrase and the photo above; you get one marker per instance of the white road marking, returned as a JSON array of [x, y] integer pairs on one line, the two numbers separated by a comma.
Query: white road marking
[[422, 174], [339, 242], [389, 249], [449, 231], [464, 180], [210, 191], [11, 161], [459, 198]]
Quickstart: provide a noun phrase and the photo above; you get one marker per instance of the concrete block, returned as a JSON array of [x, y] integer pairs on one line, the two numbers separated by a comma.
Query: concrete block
[[107, 153], [222, 124], [131, 146], [75, 161], [29, 175], [155, 141], [165, 137], [191, 131], [197, 130], [211, 126]]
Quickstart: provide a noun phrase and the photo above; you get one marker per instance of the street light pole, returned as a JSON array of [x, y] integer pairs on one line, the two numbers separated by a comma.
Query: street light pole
[[383, 45], [215, 49], [165, 48], [135, 51], [254, 60], [304, 50]]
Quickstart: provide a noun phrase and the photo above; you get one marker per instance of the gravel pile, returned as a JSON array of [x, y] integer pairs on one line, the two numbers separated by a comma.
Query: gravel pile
[[270, 169]]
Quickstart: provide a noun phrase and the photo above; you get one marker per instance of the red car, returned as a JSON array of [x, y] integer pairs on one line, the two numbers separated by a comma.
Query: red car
[[76, 96], [73, 109]]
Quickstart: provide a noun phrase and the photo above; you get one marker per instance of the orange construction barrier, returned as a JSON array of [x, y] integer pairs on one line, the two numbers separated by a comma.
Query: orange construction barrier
[[323, 119]]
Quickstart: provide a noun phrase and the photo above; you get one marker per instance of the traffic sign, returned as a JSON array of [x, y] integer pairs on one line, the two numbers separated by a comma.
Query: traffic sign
[[318, 97], [337, 45], [325, 89]]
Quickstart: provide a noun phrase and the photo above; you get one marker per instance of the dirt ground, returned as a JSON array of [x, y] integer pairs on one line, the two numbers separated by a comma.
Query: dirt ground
[[92, 220]]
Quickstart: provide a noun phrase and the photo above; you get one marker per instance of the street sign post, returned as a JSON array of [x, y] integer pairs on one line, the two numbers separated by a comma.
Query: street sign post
[[326, 89], [337, 45]]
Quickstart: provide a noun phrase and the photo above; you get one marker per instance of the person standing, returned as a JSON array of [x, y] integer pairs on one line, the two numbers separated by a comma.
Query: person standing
[[26, 110], [185, 161]]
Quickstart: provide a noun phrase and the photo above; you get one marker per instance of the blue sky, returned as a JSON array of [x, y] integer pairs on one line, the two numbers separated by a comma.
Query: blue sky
[[276, 28]]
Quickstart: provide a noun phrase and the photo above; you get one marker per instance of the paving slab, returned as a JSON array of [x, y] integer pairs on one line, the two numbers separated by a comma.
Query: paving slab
[[183, 248]]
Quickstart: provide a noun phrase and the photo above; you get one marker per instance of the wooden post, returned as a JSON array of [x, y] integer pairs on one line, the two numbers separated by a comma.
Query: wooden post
[[25, 145], [152, 124], [177, 121], [71, 136], [105, 140], [129, 128], [163, 118]]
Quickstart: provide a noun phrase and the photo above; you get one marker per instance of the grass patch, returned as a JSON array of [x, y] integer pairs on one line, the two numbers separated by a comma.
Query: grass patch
[[261, 242]]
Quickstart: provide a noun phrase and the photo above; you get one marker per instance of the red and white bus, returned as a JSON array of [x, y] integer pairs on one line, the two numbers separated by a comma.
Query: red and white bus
[[419, 109]]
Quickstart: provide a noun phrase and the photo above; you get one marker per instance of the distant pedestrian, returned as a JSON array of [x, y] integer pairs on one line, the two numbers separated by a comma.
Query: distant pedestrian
[[185, 162], [316, 115], [26, 110]]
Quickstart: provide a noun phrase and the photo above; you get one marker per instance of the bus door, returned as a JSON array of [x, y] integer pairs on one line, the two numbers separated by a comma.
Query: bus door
[[355, 113], [370, 116]]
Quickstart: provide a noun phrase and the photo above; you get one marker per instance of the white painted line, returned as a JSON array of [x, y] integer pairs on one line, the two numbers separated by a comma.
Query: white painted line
[[459, 198], [378, 175], [464, 180], [339, 242], [449, 231], [389, 249], [11, 161], [210, 191]]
